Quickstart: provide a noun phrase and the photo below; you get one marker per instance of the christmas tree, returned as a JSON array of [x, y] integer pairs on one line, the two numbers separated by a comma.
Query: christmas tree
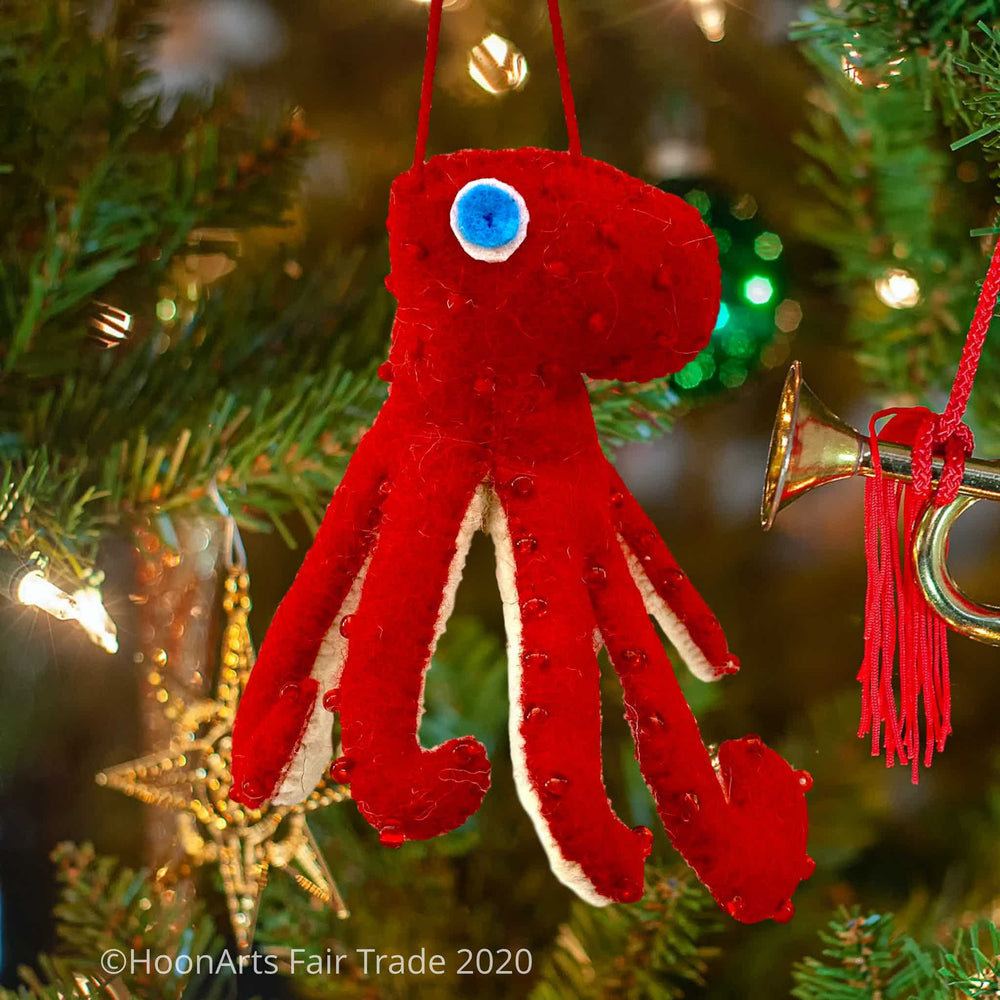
[[191, 325]]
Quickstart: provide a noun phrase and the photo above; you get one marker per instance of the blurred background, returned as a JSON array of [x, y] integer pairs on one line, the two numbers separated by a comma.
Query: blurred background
[[714, 102]]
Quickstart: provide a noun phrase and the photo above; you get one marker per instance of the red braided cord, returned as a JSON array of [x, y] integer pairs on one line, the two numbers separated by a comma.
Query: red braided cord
[[569, 106], [971, 353], [948, 428]]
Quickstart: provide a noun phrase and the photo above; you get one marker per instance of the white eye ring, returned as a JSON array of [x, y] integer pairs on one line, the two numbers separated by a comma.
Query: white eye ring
[[489, 218]]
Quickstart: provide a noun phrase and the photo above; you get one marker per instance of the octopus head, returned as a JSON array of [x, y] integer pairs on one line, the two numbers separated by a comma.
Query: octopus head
[[556, 257]]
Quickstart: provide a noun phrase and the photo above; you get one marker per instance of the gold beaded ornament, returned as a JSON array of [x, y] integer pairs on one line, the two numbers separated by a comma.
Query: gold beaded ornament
[[192, 777]]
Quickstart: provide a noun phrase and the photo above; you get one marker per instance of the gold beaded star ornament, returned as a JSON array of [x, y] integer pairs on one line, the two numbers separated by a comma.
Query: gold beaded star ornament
[[192, 777]]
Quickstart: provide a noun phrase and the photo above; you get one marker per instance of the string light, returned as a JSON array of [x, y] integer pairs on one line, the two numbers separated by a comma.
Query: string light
[[95, 620], [35, 591], [497, 65], [710, 16], [28, 585], [111, 325], [898, 289]]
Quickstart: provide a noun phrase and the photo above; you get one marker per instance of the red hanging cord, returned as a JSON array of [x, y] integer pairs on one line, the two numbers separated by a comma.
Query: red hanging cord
[[971, 353], [427, 86], [948, 429], [430, 64], [569, 106]]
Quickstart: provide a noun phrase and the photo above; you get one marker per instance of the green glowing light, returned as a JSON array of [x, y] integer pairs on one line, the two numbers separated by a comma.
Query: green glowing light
[[758, 290], [700, 200], [724, 239], [690, 375], [740, 344], [732, 374]]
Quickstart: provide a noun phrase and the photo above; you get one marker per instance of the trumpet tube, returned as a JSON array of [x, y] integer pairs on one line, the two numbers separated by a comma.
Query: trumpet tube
[[930, 550], [811, 445], [981, 479]]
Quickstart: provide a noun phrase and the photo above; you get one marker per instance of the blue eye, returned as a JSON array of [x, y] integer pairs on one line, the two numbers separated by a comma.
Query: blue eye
[[489, 218]]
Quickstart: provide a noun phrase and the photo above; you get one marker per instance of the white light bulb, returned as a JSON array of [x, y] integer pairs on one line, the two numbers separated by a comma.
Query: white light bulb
[[83, 607], [710, 16], [37, 592], [94, 618]]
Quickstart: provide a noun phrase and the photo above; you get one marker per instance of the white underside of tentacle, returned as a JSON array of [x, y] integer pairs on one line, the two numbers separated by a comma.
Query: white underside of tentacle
[[568, 872], [673, 628], [313, 754], [315, 751]]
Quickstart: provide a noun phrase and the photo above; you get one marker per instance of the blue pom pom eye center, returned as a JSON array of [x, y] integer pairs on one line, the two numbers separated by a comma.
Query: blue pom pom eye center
[[488, 216]]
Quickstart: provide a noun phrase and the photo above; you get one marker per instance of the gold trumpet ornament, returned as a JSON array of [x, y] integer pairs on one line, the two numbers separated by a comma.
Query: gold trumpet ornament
[[911, 596], [812, 446]]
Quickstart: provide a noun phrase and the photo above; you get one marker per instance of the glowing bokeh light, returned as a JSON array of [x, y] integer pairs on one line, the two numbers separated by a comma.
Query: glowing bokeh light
[[758, 290], [723, 317], [898, 289], [497, 65], [710, 16], [166, 310], [788, 316], [768, 246]]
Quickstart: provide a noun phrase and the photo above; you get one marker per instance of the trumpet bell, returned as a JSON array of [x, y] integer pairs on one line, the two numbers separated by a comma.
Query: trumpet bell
[[810, 446]]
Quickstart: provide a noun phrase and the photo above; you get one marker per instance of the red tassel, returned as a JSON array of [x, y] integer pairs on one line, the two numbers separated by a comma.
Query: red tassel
[[898, 620]]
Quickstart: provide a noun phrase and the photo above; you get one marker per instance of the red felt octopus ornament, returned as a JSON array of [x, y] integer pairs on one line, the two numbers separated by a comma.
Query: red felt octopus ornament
[[517, 273]]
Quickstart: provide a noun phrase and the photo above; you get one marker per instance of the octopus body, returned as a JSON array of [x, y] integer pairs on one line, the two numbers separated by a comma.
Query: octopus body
[[517, 272]]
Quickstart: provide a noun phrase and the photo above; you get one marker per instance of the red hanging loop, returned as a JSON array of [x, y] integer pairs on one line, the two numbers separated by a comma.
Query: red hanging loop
[[430, 65]]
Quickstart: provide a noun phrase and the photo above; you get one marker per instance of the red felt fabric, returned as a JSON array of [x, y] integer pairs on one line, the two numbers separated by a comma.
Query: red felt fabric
[[615, 279]]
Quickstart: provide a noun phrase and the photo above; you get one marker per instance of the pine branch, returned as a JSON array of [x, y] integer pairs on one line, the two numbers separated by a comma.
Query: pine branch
[[863, 959], [100, 187], [633, 411], [893, 197], [55, 980], [104, 906], [102, 193], [973, 967], [648, 950], [866, 959]]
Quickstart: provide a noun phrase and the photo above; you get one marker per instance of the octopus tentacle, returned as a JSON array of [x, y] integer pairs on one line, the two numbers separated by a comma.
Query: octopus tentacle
[[315, 750], [403, 790], [555, 710], [292, 670], [740, 820], [668, 594]]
